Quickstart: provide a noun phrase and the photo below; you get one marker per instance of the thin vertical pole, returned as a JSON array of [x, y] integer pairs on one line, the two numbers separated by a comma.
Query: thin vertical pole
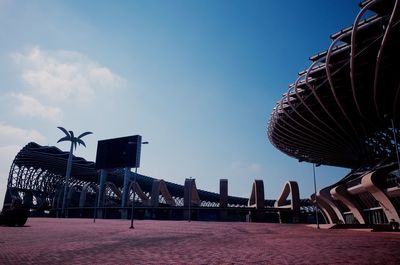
[[96, 203], [190, 198], [133, 199], [316, 198]]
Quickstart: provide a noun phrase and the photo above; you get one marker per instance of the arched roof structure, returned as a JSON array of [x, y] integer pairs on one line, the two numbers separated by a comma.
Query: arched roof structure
[[41, 169], [345, 108]]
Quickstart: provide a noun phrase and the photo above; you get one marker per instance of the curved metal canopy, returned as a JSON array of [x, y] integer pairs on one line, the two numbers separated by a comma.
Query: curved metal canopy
[[344, 110]]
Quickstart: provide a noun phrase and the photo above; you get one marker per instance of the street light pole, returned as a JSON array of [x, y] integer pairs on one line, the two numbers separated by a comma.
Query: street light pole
[[316, 198]]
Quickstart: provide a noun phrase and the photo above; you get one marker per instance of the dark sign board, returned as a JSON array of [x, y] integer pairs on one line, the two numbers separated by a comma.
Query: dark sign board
[[119, 152]]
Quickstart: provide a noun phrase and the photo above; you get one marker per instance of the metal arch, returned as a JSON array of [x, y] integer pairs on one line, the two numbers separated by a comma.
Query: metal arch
[[379, 55], [301, 116], [316, 117], [329, 76], [302, 126], [352, 53], [305, 139], [71, 190], [46, 183], [318, 98], [295, 143], [297, 103], [85, 188]]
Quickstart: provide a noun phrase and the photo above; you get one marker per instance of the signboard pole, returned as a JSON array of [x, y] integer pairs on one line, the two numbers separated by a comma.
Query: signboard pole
[[125, 192], [133, 199]]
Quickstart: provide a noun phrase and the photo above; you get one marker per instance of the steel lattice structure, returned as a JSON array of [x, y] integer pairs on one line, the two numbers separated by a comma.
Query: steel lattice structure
[[344, 109], [37, 175]]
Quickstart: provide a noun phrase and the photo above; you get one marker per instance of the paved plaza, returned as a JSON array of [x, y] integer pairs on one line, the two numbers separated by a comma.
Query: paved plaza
[[80, 241]]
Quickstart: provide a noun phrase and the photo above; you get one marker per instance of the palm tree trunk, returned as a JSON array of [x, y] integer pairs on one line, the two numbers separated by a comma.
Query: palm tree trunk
[[67, 175]]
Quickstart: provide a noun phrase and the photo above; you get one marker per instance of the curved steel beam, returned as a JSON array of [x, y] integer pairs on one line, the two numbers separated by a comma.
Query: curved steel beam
[[379, 55], [353, 49]]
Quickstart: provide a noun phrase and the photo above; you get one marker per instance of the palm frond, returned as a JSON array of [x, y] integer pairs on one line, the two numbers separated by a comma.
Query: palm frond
[[75, 144], [66, 138], [72, 134], [64, 131], [84, 134], [79, 141]]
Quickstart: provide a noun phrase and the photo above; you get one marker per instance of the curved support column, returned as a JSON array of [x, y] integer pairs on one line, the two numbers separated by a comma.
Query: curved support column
[[324, 209], [326, 201], [291, 187], [340, 193], [139, 192], [370, 183], [257, 195], [113, 188], [190, 193], [158, 187]]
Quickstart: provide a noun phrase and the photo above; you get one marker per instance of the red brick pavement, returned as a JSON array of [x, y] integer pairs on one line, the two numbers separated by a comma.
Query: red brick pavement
[[80, 241]]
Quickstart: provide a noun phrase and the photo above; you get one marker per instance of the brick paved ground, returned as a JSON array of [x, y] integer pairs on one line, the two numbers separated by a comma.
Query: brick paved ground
[[80, 241]]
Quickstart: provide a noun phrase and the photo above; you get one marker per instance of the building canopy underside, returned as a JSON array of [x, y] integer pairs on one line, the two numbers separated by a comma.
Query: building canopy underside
[[344, 109]]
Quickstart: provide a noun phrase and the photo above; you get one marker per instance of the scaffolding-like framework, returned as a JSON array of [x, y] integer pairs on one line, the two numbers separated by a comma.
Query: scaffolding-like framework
[[344, 110]]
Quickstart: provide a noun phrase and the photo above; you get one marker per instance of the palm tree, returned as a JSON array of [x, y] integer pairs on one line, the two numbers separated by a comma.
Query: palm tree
[[69, 136]]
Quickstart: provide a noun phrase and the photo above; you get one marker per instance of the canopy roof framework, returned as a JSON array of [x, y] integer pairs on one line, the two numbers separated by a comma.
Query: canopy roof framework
[[41, 171], [344, 109]]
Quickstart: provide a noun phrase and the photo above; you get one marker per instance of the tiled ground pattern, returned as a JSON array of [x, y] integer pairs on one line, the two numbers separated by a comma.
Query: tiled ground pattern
[[80, 241]]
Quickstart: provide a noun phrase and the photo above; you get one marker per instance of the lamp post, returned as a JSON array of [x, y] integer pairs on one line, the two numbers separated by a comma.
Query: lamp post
[[134, 193], [69, 136], [316, 197]]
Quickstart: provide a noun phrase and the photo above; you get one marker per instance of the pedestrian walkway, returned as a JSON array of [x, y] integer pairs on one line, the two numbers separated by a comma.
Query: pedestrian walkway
[[80, 241]]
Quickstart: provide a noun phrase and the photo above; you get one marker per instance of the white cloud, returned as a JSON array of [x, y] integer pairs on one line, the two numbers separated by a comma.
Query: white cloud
[[64, 75], [10, 134], [29, 106]]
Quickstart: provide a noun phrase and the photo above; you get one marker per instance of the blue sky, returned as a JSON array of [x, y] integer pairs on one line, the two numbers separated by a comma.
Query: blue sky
[[197, 79]]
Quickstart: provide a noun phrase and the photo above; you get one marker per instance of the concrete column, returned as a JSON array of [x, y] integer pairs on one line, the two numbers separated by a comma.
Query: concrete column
[[371, 183], [125, 192], [103, 177], [340, 193], [223, 193], [291, 187], [257, 200], [335, 215], [257, 196]]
